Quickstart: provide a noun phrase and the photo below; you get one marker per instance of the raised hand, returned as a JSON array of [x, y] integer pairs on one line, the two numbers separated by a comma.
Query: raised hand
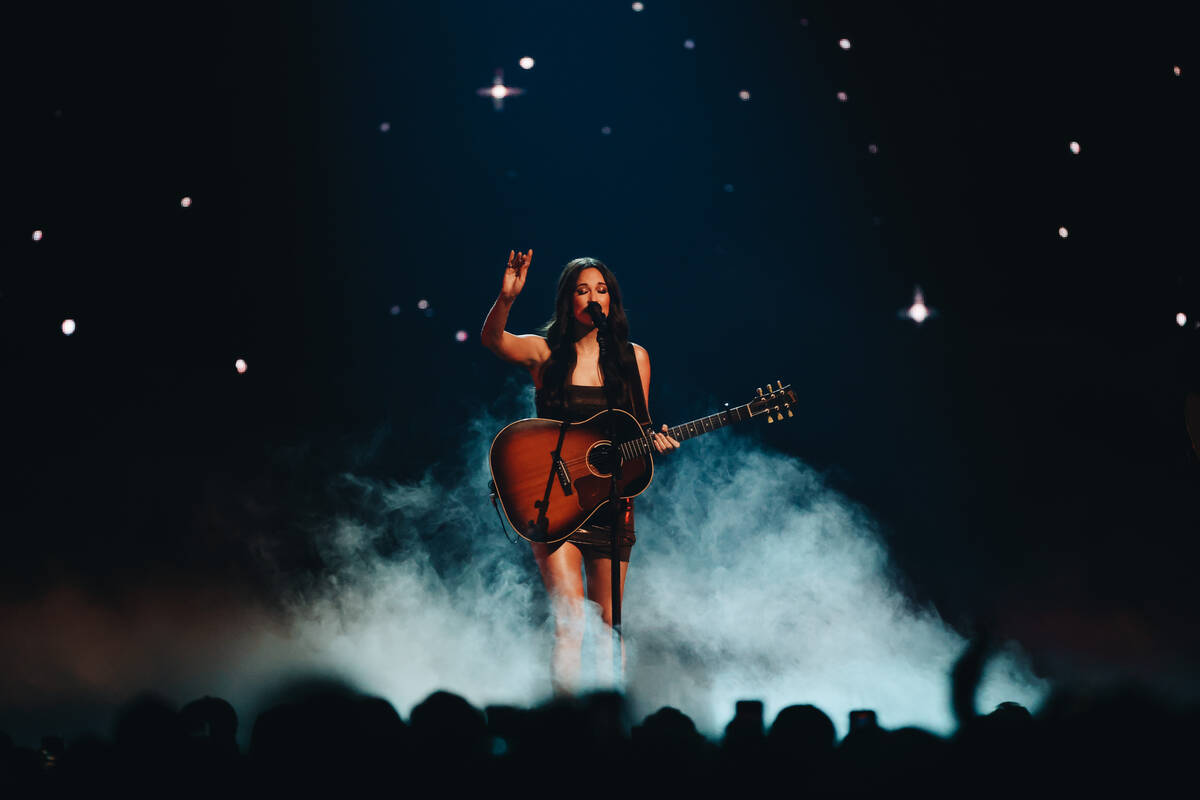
[[515, 272]]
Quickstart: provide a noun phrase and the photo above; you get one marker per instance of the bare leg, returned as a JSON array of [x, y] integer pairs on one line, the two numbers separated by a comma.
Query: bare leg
[[599, 591], [561, 568]]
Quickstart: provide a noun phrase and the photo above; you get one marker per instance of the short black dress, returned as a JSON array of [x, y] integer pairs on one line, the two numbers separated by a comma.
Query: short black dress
[[594, 538]]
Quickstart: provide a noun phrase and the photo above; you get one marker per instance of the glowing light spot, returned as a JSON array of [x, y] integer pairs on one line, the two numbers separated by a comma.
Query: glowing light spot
[[240, 366], [1181, 319], [68, 327], [745, 95], [844, 44], [688, 44], [422, 304], [1062, 232], [606, 130], [394, 311], [638, 6], [918, 312], [1074, 147], [729, 187], [185, 202], [872, 149], [841, 96], [526, 63], [1177, 70], [384, 127], [37, 236], [499, 91], [461, 336]]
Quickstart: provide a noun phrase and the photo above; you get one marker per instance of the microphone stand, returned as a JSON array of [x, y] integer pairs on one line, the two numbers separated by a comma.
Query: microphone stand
[[614, 499]]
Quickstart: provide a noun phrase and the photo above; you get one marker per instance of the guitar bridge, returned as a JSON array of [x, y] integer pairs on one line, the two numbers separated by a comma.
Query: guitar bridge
[[564, 477]]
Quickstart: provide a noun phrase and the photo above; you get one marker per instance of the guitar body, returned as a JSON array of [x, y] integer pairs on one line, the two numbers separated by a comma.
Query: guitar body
[[528, 481]]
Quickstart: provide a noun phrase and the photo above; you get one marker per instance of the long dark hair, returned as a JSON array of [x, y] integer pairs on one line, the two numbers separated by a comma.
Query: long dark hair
[[562, 330]]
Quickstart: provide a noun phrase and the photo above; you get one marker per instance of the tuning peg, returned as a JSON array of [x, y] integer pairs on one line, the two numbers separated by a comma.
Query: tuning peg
[[780, 385], [790, 414], [760, 394], [770, 419]]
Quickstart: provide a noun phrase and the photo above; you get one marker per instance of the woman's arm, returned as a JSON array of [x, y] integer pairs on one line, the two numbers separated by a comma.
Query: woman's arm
[[529, 350]]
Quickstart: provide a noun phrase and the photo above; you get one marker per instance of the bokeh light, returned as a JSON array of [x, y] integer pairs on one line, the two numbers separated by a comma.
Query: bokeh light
[[689, 44], [606, 130], [384, 127], [1181, 319], [37, 235], [185, 202], [1177, 71], [240, 366], [499, 91], [844, 44], [918, 312], [394, 311], [745, 95], [728, 187], [1062, 232], [526, 63], [68, 326], [422, 304], [872, 149], [638, 6], [461, 336], [1074, 146], [842, 96]]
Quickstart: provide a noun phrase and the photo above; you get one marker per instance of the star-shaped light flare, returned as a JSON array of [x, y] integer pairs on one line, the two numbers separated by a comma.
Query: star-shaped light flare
[[498, 91]]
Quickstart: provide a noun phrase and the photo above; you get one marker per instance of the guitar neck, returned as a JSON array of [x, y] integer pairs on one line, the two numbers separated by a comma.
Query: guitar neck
[[640, 447]]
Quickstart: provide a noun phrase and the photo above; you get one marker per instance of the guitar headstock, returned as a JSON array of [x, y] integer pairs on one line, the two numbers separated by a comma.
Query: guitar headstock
[[775, 402]]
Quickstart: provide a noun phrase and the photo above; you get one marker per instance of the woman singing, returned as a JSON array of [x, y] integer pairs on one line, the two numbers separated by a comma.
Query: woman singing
[[571, 381]]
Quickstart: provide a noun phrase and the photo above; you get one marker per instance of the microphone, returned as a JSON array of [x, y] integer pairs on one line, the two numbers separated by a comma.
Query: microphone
[[598, 318]]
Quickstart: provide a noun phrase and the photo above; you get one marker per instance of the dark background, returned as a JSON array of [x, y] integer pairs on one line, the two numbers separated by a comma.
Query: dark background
[[1024, 450]]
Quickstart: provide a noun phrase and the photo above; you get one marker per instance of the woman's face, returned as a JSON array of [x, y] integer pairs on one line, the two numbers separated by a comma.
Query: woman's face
[[589, 286]]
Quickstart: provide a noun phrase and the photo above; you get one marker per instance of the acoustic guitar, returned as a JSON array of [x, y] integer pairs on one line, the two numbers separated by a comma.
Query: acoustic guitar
[[551, 477]]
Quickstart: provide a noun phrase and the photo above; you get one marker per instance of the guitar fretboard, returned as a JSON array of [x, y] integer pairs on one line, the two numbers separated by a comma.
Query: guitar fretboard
[[640, 447]]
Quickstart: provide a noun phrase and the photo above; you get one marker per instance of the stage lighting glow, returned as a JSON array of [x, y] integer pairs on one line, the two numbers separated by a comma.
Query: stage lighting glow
[[240, 366], [872, 149], [638, 6], [498, 91], [689, 44], [68, 327], [1177, 71], [461, 336], [844, 44], [37, 236], [185, 202], [918, 312], [606, 130], [422, 304], [1074, 147], [1181, 319], [1062, 232], [526, 63], [384, 127], [842, 96], [744, 95], [394, 311]]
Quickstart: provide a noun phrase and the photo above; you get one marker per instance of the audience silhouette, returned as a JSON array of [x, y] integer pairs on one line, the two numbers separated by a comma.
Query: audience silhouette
[[324, 733]]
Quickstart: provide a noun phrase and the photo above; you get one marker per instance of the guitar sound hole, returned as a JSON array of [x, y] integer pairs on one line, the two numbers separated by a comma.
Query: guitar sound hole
[[602, 458]]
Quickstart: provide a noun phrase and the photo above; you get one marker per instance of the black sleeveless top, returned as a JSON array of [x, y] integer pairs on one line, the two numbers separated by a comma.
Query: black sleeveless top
[[582, 402]]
